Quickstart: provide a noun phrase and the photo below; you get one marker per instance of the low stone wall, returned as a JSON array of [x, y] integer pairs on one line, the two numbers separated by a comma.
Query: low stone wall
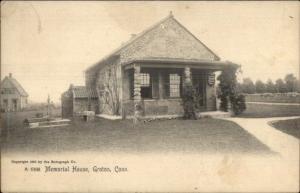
[[274, 97], [163, 107], [158, 107], [155, 107]]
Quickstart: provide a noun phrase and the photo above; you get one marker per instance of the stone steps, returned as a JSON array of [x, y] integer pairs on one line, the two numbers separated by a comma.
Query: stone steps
[[214, 114]]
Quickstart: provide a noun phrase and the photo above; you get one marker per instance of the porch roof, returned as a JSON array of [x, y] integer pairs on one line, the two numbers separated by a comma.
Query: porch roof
[[178, 63]]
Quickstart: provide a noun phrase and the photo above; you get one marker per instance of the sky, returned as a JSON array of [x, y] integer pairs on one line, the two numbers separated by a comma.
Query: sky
[[48, 45]]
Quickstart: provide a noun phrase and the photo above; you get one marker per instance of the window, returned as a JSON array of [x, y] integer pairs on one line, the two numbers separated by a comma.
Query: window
[[174, 88], [172, 85], [4, 105], [7, 91], [146, 89], [145, 80]]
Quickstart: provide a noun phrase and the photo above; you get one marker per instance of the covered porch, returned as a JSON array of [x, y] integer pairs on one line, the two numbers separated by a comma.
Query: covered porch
[[158, 85]]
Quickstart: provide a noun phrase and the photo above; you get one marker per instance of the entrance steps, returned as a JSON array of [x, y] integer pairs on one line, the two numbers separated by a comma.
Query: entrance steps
[[214, 114]]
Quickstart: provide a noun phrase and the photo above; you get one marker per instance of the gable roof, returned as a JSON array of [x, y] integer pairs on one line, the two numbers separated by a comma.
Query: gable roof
[[142, 35], [16, 85]]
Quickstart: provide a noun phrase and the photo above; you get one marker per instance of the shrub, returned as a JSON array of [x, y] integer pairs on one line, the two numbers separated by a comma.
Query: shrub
[[189, 101], [238, 104]]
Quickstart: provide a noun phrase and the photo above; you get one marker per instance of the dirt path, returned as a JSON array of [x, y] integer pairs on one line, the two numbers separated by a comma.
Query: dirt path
[[286, 145]]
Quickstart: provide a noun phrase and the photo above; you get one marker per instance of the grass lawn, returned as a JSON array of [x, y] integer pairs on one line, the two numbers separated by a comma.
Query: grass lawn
[[15, 119], [204, 135], [263, 111], [291, 127]]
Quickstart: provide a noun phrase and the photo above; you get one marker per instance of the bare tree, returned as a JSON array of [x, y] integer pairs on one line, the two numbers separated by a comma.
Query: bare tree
[[108, 90]]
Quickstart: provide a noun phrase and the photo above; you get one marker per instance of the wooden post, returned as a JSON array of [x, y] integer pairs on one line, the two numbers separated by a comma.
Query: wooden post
[[48, 106], [160, 85]]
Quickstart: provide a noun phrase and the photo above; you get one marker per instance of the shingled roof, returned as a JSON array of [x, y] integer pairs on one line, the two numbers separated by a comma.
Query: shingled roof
[[167, 38], [83, 92], [15, 84]]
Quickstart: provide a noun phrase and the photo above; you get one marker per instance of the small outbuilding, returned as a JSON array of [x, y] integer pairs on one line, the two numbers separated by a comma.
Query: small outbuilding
[[78, 99]]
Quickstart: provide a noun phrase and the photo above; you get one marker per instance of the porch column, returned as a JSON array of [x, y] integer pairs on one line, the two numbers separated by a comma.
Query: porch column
[[137, 83], [137, 93], [160, 85], [187, 75]]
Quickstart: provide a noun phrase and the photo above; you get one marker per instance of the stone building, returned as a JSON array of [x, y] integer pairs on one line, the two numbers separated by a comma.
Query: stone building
[[13, 96], [151, 69], [78, 99]]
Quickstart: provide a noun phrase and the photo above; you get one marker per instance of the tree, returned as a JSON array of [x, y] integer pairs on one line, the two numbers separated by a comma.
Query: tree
[[260, 87], [280, 86], [298, 85], [189, 101], [248, 86], [270, 86], [109, 89], [239, 87], [291, 82]]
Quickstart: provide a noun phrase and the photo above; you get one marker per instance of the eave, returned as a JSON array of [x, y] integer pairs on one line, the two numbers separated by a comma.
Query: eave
[[177, 63]]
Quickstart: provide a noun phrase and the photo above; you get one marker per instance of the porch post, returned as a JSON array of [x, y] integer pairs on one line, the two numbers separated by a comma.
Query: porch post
[[137, 83], [160, 85], [137, 93], [187, 75]]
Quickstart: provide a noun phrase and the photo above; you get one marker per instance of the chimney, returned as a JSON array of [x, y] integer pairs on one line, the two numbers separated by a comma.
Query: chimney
[[10, 75], [133, 36]]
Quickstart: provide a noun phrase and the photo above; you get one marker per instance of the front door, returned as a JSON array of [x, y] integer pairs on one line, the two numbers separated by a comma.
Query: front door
[[199, 85], [14, 104]]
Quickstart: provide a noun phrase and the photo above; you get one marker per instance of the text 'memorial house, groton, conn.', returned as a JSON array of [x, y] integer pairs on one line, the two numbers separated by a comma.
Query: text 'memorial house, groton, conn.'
[[150, 68]]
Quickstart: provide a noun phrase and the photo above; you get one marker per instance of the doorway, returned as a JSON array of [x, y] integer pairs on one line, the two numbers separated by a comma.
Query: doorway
[[199, 83], [15, 104]]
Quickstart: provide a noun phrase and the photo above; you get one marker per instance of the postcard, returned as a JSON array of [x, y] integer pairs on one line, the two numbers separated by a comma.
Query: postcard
[[153, 96]]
